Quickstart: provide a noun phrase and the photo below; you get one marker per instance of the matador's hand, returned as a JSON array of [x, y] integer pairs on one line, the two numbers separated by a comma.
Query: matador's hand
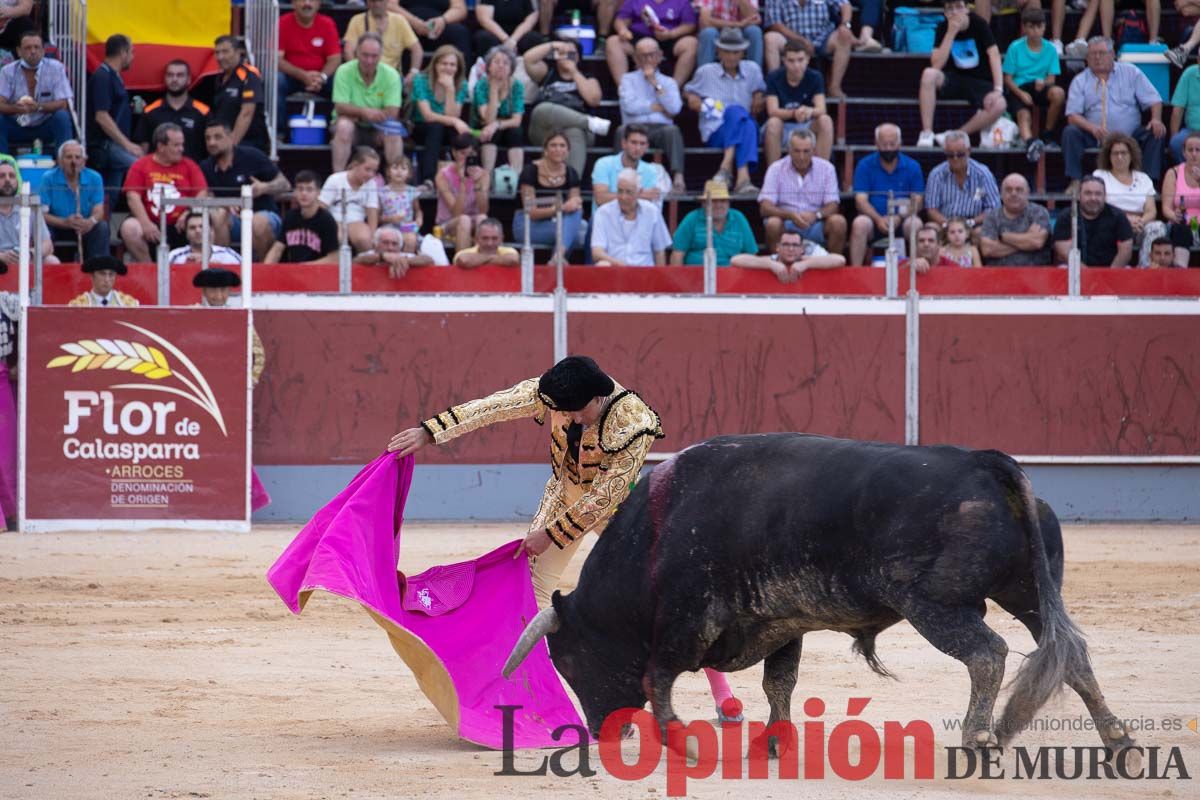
[[409, 441], [536, 543]]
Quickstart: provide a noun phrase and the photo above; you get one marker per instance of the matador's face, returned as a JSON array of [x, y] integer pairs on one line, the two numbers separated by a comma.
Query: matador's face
[[588, 415]]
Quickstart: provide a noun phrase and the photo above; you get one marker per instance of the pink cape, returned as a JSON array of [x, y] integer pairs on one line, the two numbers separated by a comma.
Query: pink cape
[[259, 497], [453, 625]]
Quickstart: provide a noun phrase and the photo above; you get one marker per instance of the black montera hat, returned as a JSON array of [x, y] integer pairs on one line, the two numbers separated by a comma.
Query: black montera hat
[[98, 263], [572, 383], [216, 278]]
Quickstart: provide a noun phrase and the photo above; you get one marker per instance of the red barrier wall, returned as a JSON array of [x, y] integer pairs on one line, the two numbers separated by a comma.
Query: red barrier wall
[[66, 281], [1071, 385]]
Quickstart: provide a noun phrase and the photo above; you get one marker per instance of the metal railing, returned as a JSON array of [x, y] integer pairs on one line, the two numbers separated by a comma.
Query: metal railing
[[68, 32], [262, 48]]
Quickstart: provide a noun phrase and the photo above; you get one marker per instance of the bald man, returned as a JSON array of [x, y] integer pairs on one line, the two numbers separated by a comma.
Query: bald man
[[1017, 234]]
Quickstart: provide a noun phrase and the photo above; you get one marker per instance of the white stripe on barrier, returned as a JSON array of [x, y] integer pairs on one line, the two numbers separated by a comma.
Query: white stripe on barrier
[[1063, 306], [127, 525]]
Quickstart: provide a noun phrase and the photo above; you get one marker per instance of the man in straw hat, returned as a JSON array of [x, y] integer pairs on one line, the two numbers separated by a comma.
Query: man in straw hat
[[104, 271], [600, 433], [731, 233]]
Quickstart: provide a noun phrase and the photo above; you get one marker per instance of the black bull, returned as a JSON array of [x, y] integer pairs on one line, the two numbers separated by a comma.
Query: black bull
[[738, 546]]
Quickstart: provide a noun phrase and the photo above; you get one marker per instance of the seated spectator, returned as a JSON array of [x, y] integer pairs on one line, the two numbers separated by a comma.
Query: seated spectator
[[310, 233], [731, 233], [227, 169], [606, 170], [488, 250], [179, 108], [462, 190], [1185, 111], [565, 98], [150, 185], [663, 20], [73, 202], [309, 54], [1109, 97], [352, 197], [728, 96], [885, 172], [110, 148], [543, 180], [800, 193], [16, 17], [35, 98], [716, 15], [957, 246], [238, 98], [389, 251], [960, 186], [1131, 191], [870, 16], [1017, 234], [439, 22], [366, 103], [10, 219], [1030, 64], [439, 95], [965, 65], [400, 205], [498, 108], [796, 100], [651, 100], [929, 251], [1105, 236], [507, 22], [629, 231], [1179, 55], [1181, 199], [1106, 9], [193, 251], [103, 270], [792, 258], [395, 33], [812, 21], [1162, 254]]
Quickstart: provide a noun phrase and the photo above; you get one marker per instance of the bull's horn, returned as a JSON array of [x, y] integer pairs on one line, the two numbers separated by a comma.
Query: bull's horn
[[545, 622]]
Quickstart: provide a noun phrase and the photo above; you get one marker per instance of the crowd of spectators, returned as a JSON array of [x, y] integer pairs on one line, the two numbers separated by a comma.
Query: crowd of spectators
[[756, 80]]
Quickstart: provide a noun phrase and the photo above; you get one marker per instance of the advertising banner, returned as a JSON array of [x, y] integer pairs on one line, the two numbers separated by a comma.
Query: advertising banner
[[136, 414]]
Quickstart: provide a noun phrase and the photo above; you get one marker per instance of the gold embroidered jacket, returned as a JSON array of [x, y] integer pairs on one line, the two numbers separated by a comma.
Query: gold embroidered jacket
[[579, 497], [116, 299]]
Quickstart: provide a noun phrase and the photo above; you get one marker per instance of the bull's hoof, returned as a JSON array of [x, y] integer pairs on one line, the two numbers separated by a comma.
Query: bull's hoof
[[776, 746], [981, 740]]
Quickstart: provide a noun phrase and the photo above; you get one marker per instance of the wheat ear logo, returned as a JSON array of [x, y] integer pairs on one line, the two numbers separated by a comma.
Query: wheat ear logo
[[146, 360]]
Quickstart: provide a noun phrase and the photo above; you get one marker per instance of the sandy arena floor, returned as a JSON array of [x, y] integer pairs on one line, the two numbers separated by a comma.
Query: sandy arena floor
[[162, 665]]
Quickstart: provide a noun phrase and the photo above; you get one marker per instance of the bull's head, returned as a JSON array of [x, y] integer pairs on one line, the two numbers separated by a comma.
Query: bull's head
[[604, 676]]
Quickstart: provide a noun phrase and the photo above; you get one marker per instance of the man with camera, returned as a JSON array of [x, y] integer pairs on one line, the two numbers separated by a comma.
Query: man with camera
[[565, 95]]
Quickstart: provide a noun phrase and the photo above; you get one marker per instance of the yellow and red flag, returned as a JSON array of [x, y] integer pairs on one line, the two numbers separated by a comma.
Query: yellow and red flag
[[162, 31]]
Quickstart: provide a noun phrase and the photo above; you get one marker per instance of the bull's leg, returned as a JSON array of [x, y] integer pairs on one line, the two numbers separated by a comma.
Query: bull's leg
[[962, 634], [779, 681], [1083, 681]]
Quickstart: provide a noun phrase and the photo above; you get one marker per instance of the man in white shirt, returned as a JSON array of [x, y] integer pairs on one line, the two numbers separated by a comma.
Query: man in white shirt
[[792, 257], [193, 251], [629, 231]]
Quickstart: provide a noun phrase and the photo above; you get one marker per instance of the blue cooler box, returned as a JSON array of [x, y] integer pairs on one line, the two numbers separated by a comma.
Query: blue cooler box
[[584, 36], [33, 167], [307, 130], [1151, 59]]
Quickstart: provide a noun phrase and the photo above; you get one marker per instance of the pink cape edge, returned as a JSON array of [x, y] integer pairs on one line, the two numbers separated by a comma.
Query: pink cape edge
[[455, 624]]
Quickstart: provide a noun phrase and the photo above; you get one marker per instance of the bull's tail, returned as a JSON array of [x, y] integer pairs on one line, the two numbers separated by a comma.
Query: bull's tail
[[1061, 650]]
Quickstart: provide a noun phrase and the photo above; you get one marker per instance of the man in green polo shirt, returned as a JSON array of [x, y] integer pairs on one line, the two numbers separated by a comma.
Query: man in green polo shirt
[[366, 102], [731, 230]]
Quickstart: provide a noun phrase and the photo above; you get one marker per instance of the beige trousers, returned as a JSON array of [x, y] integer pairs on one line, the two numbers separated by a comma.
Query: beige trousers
[[548, 569]]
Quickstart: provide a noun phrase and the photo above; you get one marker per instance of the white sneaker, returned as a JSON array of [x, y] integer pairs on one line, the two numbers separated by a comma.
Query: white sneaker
[[926, 139], [1058, 46], [599, 125], [940, 138], [1077, 49]]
